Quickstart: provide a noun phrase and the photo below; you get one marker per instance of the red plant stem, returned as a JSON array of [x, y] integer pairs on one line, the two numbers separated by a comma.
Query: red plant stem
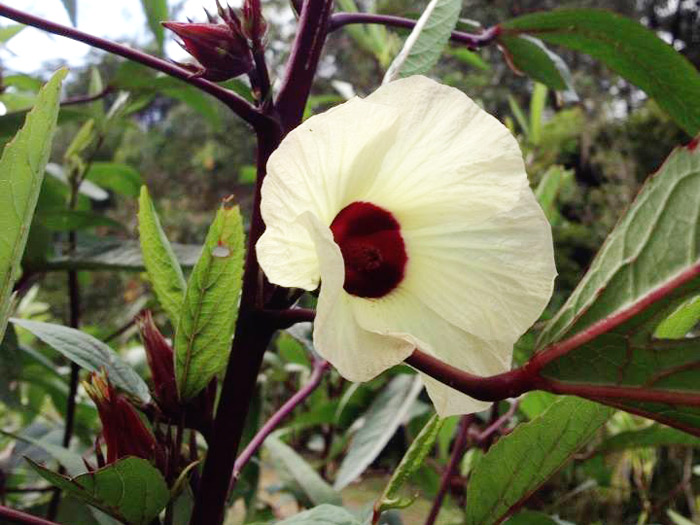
[[253, 334], [9, 515], [556, 350], [286, 318], [496, 425], [339, 20], [320, 366], [303, 60], [457, 453], [237, 104]]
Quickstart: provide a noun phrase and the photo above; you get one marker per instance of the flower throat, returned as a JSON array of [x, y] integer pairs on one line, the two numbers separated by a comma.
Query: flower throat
[[373, 250]]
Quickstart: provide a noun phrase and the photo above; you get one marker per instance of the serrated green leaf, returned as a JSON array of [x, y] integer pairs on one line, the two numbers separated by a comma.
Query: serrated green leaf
[[21, 173], [208, 318], [412, 460], [653, 436], [131, 489], [90, 353], [526, 458], [156, 12], [424, 45], [162, 265], [299, 475], [530, 56], [384, 416], [627, 48], [120, 178]]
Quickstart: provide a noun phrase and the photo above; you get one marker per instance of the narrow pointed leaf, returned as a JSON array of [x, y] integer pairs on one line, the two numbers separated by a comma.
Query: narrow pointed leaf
[[298, 474], [526, 458], [322, 515], [130, 490], [90, 353], [424, 45], [530, 57], [156, 12], [412, 460], [626, 47], [208, 318], [384, 416], [162, 265], [22, 168], [72, 9]]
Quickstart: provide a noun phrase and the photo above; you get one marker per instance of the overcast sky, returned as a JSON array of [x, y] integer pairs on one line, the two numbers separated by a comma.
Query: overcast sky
[[116, 20]]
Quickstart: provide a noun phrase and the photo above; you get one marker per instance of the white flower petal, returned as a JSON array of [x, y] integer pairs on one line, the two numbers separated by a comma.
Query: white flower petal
[[321, 166], [404, 315], [491, 279], [452, 156], [358, 354]]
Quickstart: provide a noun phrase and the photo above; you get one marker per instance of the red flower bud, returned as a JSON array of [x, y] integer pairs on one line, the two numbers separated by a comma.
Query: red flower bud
[[123, 431], [161, 362], [254, 25], [222, 52]]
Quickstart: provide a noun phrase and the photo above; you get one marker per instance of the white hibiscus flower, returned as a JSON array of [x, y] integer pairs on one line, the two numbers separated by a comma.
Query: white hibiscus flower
[[412, 209]]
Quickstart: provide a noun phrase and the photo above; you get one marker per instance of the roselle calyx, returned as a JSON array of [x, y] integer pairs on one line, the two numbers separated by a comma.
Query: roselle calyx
[[254, 25], [160, 357], [221, 49], [123, 431]]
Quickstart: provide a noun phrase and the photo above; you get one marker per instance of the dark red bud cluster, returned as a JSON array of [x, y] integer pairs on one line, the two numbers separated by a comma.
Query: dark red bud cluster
[[160, 358], [123, 431], [223, 49]]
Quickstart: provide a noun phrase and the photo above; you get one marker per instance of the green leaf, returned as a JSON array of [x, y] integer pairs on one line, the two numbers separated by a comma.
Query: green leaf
[[7, 32], [519, 115], [530, 517], [636, 273], [119, 178], [469, 57], [384, 416], [629, 49], [21, 173], [115, 254], [131, 489], [72, 9], [678, 519], [86, 187], [537, 103], [555, 179], [681, 321], [208, 318], [526, 458], [653, 436], [299, 475], [71, 461], [411, 461], [531, 57], [88, 352], [162, 265], [322, 515], [156, 12], [424, 45], [72, 220]]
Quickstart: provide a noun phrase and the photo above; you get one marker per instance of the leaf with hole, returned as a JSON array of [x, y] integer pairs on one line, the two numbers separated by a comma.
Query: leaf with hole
[[208, 316]]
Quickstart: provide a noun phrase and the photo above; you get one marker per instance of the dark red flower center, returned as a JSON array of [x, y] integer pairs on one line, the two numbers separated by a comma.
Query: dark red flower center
[[373, 249]]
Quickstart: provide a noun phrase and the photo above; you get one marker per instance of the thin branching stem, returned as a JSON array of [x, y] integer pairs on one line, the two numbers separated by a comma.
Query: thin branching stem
[[338, 20], [236, 103], [319, 368], [8, 515]]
